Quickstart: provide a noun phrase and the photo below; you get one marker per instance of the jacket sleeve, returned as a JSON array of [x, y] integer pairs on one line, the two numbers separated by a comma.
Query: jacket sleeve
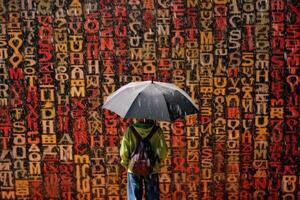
[[124, 150], [162, 148]]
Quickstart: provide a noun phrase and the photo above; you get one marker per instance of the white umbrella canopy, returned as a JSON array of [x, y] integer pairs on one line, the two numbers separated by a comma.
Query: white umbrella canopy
[[151, 100]]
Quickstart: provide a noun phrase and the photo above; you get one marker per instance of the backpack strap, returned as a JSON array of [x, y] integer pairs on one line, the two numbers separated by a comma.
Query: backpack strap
[[137, 137], [136, 134], [149, 136], [153, 130]]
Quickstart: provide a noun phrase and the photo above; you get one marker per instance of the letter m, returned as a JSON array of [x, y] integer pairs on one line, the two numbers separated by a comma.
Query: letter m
[[16, 73], [192, 3], [8, 195], [82, 159], [206, 38]]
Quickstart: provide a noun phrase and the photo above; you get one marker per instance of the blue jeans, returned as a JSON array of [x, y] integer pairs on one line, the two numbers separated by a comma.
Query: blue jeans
[[135, 187]]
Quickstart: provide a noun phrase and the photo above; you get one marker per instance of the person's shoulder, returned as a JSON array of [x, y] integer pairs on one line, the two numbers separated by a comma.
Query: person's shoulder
[[127, 130]]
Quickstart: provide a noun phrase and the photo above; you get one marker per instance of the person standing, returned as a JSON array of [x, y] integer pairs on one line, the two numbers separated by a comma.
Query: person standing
[[143, 129]]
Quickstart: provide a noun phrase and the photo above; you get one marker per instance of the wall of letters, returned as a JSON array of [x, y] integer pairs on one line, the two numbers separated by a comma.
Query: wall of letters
[[238, 59]]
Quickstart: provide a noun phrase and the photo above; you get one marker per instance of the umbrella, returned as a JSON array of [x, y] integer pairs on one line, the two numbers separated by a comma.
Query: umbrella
[[150, 100]]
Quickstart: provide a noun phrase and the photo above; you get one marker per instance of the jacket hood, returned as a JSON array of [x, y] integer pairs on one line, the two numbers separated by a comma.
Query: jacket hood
[[142, 128]]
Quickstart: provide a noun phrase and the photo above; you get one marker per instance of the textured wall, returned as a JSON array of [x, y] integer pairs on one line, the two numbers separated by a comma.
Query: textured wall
[[238, 59]]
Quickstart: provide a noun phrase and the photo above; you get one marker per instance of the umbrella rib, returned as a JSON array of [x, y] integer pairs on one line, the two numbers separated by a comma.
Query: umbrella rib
[[170, 116], [120, 92], [124, 108], [141, 93], [189, 100], [125, 116], [182, 92], [165, 102], [146, 85], [135, 100]]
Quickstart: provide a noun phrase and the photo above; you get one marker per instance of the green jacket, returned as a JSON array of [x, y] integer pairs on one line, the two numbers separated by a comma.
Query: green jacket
[[157, 143]]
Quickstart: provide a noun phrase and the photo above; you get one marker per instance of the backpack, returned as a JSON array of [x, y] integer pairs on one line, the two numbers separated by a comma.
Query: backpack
[[143, 158]]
